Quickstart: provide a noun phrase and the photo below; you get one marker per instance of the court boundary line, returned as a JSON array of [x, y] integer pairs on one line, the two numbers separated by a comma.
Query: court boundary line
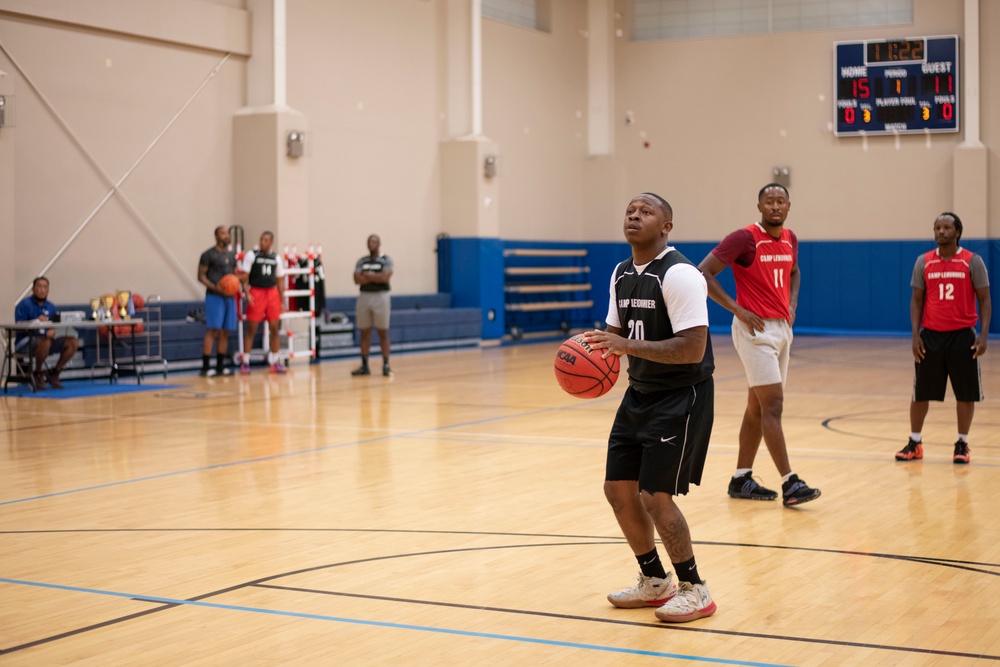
[[170, 603], [173, 603]]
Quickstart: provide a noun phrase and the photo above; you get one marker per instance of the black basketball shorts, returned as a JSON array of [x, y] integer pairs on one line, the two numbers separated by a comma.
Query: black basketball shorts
[[661, 439], [948, 354]]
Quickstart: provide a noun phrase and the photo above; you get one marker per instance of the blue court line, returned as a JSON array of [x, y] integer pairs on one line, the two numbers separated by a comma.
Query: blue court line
[[395, 626]]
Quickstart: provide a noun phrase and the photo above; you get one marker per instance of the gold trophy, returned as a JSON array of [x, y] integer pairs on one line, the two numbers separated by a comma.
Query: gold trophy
[[107, 306], [95, 304], [124, 296]]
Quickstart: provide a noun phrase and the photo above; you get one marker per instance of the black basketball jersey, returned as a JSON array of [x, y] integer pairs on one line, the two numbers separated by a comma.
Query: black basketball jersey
[[264, 270], [643, 316]]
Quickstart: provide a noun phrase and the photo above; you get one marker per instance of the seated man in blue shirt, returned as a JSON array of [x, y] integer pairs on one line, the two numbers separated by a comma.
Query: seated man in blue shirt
[[38, 307]]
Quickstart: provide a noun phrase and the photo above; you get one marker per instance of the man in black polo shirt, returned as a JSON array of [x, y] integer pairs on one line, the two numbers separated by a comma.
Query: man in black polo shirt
[[372, 273]]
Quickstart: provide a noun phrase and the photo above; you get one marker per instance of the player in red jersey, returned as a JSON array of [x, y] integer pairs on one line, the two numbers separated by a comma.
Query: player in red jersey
[[764, 257], [947, 282]]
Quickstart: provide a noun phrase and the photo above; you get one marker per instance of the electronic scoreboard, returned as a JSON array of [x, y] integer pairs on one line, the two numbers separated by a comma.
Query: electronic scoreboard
[[896, 86]]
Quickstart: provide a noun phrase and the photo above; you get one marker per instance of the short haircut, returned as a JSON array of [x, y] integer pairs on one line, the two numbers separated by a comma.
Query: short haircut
[[267, 233], [35, 281], [958, 222], [772, 185], [662, 202]]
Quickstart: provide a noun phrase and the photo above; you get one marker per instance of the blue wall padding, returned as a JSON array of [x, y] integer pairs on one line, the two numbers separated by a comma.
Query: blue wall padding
[[848, 287]]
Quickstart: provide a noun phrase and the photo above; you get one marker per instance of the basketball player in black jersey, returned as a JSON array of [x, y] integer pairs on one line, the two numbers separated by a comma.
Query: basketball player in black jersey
[[658, 316], [263, 284]]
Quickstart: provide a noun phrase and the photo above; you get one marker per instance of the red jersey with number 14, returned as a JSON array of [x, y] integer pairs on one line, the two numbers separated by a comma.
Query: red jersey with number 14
[[764, 286], [950, 298]]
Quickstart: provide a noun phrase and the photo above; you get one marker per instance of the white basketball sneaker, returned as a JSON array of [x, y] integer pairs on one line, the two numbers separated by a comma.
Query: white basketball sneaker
[[691, 602], [649, 592]]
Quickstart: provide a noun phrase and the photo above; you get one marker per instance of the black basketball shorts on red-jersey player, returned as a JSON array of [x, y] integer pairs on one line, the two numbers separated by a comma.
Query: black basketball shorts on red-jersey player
[[948, 354], [661, 438]]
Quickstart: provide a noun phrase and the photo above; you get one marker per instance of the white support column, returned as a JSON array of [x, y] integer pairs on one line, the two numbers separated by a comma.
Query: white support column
[[470, 194], [271, 183], [465, 68], [971, 83], [600, 77], [970, 198], [266, 68]]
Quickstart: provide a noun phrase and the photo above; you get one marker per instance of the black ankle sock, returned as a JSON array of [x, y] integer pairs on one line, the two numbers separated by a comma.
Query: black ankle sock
[[205, 360], [364, 362], [688, 571], [651, 565], [220, 361]]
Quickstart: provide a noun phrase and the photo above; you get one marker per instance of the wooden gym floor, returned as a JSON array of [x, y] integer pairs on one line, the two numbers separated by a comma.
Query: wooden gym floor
[[453, 514]]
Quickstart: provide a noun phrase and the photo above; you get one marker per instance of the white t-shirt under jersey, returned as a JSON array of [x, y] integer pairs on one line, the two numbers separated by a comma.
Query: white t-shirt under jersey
[[685, 293]]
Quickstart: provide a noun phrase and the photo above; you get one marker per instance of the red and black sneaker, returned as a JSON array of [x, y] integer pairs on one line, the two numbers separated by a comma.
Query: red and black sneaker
[[961, 452], [912, 451]]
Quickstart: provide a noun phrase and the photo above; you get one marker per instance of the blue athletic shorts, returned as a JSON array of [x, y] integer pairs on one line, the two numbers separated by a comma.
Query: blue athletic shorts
[[220, 312]]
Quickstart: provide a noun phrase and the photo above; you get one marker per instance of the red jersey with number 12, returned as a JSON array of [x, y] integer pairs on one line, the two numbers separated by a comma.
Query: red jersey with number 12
[[764, 286], [950, 298]]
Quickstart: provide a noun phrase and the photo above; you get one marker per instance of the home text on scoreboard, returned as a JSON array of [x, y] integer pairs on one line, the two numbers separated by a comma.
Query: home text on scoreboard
[[896, 86]]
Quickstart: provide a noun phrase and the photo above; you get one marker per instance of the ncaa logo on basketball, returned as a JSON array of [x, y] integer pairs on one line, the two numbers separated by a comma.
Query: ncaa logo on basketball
[[568, 357]]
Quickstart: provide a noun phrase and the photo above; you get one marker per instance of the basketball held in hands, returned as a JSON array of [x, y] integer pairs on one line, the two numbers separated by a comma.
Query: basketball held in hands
[[229, 284], [581, 370]]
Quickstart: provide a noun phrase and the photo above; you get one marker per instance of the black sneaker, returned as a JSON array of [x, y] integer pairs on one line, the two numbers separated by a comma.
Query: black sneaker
[[207, 372], [386, 371], [796, 492], [361, 371], [961, 452], [745, 486], [914, 451], [225, 370]]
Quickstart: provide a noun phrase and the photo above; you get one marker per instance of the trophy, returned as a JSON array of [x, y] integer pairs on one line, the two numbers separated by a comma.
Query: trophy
[[95, 304], [107, 306], [124, 296]]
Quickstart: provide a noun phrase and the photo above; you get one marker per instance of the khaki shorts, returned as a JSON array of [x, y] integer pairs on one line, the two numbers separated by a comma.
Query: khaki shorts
[[764, 355], [373, 310]]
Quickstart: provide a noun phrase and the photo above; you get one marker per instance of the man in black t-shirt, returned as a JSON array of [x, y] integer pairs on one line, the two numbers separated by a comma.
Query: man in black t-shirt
[[658, 316], [220, 310]]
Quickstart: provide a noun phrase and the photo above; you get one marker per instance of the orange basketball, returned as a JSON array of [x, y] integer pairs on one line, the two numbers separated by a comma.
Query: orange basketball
[[138, 301], [582, 372], [229, 284]]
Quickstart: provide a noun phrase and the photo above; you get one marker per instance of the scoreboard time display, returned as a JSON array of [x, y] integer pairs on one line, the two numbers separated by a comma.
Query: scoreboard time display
[[896, 86]]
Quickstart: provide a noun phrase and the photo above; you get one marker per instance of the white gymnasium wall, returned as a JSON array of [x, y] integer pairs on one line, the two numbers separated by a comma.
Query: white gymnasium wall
[[720, 113], [117, 89], [535, 108], [368, 76]]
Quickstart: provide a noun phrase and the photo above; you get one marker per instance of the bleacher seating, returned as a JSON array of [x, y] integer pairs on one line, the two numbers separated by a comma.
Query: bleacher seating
[[419, 321]]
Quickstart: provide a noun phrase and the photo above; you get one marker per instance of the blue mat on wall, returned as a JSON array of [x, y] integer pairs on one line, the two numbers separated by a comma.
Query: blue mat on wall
[[85, 390]]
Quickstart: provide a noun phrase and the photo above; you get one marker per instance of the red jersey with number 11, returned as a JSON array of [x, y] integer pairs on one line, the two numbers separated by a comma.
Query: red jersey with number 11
[[763, 287]]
